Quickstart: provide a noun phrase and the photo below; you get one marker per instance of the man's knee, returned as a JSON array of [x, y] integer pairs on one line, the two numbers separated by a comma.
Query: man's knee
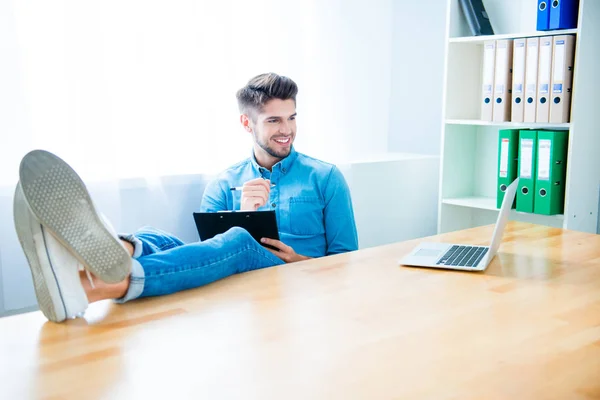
[[239, 234]]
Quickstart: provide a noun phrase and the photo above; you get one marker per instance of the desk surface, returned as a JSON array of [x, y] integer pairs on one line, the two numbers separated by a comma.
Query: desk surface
[[355, 325]]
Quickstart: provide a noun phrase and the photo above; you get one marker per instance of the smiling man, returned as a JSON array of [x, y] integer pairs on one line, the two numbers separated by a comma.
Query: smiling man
[[76, 257], [310, 197]]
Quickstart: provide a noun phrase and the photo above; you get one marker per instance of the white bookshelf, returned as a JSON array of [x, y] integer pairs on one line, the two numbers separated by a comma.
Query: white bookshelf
[[468, 162]]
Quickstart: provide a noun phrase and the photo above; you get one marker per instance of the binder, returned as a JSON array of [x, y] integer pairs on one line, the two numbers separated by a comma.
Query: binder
[[489, 60], [502, 80], [517, 112], [531, 72], [544, 75], [476, 16], [551, 172], [562, 78], [543, 15], [563, 14], [527, 170], [508, 150]]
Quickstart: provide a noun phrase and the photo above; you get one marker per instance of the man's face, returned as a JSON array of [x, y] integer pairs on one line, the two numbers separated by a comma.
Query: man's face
[[274, 130]]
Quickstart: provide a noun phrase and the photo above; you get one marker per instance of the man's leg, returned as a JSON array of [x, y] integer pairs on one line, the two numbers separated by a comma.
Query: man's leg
[[62, 231], [187, 266], [149, 240]]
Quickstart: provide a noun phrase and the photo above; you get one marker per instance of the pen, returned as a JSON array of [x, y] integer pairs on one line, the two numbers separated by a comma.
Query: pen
[[240, 187]]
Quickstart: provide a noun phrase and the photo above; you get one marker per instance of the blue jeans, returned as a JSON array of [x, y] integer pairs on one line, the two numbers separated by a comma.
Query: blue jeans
[[163, 264]]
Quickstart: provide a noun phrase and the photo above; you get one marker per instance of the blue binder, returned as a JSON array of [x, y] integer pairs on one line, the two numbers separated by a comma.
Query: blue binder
[[543, 15], [563, 14]]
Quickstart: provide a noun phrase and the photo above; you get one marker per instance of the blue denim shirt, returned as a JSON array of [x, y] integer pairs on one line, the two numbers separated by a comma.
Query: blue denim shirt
[[311, 200]]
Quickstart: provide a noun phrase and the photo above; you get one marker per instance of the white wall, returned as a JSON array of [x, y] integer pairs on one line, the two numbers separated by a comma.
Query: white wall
[[417, 76], [395, 197]]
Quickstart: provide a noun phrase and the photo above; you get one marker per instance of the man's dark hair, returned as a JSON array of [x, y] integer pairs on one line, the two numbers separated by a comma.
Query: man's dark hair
[[263, 88]]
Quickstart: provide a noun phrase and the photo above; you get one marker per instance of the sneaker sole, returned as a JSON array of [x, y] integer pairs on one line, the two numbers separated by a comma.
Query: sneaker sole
[[59, 199], [40, 284], [48, 292]]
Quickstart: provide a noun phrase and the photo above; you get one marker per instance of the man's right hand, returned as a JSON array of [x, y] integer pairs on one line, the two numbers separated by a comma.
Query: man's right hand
[[255, 194]]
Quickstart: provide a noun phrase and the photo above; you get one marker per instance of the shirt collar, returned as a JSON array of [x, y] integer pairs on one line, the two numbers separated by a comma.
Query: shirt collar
[[283, 165]]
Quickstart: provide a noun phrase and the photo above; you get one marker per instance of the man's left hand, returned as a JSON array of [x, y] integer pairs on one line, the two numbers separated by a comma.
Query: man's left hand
[[285, 252]]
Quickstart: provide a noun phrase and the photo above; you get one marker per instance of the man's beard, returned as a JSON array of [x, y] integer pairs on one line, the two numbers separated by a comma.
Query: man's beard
[[272, 152]]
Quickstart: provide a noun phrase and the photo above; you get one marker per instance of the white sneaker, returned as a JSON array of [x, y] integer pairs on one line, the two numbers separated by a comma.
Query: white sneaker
[[59, 199], [54, 270]]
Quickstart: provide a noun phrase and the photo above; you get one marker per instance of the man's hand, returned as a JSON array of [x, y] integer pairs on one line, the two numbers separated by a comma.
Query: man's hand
[[285, 252], [255, 194]]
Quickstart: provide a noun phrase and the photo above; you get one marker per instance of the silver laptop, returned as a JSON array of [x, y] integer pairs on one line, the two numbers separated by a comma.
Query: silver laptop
[[463, 256]]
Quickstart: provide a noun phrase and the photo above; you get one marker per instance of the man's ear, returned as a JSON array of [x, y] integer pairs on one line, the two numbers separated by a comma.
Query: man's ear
[[246, 123]]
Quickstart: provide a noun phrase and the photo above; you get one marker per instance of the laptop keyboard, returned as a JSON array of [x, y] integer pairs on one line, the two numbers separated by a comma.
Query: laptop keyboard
[[463, 256]]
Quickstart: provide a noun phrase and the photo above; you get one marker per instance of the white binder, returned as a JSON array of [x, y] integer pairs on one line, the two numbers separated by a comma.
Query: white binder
[[517, 113], [487, 87], [531, 69], [502, 80], [544, 78], [562, 78]]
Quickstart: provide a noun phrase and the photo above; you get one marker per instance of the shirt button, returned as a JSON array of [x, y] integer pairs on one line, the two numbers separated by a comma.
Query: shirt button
[[283, 170], [273, 204]]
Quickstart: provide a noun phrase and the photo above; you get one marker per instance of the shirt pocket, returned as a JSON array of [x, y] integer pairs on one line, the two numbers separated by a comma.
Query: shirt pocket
[[306, 216]]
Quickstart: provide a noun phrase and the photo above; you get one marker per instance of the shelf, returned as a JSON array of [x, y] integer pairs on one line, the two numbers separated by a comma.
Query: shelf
[[481, 39], [483, 203], [486, 203], [508, 124]]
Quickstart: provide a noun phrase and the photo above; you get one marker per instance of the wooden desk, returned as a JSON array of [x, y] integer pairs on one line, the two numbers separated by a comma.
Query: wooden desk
[[349, 326]]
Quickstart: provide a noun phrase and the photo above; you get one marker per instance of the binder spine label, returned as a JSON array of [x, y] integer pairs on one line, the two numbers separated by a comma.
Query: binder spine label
[[545, 67], [559, 64], [544, 159], [531, 69], [488, 69], [501, 67], [519, 67], [526, 158], [504, 158]]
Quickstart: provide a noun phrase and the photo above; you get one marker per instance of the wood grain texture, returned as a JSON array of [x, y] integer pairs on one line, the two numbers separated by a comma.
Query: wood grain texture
[[349, 326]]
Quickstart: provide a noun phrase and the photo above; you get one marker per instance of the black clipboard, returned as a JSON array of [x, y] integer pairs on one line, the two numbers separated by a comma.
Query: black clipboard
[[259, 224]]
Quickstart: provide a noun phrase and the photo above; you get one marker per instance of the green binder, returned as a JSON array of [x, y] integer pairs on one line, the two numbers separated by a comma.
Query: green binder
[[551, 172], [508, 160], [527, 168]]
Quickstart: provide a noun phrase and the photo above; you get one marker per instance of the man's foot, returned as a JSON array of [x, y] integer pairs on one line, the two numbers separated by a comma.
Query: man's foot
[[55, 271], [59, 199], [97, 290]]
